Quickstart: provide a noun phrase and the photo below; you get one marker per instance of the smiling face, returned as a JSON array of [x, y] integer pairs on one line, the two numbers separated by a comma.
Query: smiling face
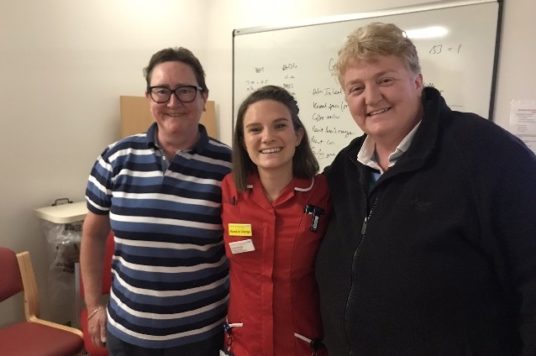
[[384, 97], [269, 136], [174, 118]]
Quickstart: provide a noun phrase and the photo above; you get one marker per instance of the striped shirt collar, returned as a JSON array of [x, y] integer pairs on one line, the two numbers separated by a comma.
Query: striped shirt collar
[[198, 147]]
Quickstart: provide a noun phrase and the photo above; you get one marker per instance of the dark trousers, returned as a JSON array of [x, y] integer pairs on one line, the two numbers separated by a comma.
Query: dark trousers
[[209, 347]]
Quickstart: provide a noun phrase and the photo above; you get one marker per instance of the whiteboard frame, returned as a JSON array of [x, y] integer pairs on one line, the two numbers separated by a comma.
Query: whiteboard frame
[[380, 13]]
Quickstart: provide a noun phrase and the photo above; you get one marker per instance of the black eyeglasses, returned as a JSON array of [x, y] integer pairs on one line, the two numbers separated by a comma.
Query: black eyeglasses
[[183, 93]]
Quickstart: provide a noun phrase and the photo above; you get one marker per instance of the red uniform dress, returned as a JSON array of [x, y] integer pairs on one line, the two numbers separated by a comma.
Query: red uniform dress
[[273, 306]]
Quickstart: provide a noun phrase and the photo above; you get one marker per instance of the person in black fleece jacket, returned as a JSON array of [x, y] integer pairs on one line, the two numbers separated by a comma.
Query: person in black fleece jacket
[[431, 248]]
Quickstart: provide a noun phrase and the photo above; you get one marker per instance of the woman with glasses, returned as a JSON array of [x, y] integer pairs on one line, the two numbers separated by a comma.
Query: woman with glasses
[[159, 193], [275, 211]]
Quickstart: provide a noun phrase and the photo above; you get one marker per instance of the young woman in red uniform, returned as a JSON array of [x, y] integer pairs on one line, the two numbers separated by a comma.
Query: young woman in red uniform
[[275, 211]]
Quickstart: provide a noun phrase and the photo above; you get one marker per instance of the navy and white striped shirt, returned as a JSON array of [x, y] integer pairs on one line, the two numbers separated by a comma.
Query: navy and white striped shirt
[[170, 275]]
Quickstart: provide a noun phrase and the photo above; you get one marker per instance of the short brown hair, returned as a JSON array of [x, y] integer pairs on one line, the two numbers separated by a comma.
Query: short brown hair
[[177, 54], [304, 163]]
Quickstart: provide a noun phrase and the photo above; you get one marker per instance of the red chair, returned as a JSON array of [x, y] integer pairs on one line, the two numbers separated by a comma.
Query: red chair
[[90, 347], [34, 336]]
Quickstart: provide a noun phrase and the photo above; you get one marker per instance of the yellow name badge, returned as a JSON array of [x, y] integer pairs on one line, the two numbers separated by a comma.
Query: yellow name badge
[[240, 230]]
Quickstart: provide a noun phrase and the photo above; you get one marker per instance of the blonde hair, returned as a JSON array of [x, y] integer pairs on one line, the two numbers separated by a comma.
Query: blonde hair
[[377, 39]]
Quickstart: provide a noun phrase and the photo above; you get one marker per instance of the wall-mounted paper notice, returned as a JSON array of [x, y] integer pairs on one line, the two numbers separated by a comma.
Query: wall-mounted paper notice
[[523, 121]]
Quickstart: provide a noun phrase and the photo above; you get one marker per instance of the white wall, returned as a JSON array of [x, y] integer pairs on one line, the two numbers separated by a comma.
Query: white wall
[[64, 64], [517, 65]]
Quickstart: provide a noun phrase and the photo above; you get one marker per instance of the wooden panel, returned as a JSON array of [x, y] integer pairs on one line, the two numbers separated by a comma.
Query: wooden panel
[[136, 117]]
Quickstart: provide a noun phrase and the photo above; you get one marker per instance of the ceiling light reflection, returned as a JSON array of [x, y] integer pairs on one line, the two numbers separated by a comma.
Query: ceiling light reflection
[[427, 32]]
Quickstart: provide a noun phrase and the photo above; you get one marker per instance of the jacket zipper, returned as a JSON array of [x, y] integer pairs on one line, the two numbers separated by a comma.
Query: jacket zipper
[[356, 254]]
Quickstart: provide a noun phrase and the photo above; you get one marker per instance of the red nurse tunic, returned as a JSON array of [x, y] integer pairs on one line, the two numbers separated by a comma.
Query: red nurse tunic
[[271, 247]]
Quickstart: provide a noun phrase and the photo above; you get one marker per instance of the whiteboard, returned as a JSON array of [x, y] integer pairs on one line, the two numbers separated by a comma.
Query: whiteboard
[[300, 58]]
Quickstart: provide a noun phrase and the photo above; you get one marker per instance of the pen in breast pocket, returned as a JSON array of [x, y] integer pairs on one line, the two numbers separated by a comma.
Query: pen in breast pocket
[[315, 211]]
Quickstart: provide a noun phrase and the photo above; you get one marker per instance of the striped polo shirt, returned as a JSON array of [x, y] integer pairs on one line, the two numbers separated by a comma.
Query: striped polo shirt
[[170, 275]]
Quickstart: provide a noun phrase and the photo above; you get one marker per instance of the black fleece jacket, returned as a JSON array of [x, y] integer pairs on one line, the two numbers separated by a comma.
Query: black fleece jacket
[[446, 261]]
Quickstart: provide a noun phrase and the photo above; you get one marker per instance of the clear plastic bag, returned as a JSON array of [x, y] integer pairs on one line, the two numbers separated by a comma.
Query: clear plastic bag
[[63, 241]]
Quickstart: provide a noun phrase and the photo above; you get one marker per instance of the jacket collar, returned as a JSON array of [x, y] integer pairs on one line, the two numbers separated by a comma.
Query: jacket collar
[[424, 141]]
